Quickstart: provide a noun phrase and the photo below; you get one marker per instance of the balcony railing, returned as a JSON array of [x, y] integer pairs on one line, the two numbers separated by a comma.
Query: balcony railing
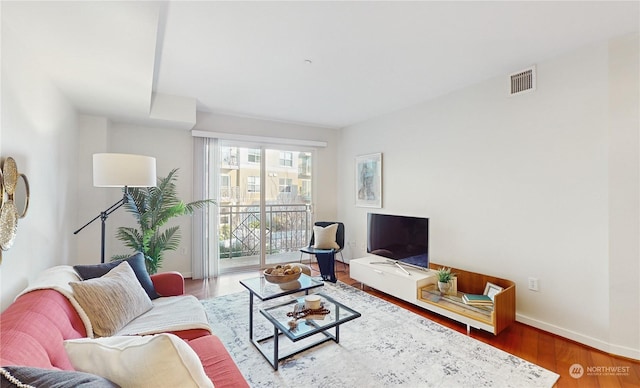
[[288, 228]]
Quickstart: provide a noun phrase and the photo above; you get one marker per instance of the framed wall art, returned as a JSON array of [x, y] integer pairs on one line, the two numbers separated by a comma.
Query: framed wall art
[[369, 180]]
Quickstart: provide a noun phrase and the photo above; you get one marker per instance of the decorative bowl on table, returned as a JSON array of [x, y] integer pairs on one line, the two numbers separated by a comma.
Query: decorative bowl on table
[[282, 274]]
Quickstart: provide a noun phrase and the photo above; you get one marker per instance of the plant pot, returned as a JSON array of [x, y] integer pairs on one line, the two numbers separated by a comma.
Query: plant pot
[[444, 287]]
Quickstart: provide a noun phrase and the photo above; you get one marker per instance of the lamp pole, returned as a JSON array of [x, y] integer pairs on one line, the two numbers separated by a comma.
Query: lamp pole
[[103, 217], [120, 170]]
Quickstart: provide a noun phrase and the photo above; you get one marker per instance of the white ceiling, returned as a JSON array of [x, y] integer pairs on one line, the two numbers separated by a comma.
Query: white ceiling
[[248, 58]]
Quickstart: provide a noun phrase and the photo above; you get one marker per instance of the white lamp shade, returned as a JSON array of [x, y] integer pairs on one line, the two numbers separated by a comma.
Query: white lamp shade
[[119, 170]]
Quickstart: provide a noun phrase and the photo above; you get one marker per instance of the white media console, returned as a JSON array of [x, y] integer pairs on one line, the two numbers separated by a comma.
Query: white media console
[[378, 272], [419, 288]]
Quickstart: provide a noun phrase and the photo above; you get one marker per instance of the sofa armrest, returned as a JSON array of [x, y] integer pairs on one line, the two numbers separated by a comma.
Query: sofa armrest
[[169, 283]]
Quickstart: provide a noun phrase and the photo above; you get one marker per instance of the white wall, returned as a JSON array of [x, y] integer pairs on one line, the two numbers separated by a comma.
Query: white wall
[[38, 129], [171, 148], [92, 138], [515, 187], [624, 196], [174, 149]]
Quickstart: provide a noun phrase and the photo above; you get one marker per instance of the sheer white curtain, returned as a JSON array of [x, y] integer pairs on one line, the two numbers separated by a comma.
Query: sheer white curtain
[[204, 263], [206, 184]]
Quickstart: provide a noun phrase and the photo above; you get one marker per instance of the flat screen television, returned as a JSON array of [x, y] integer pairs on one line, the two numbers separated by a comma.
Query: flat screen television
[[402, 239]]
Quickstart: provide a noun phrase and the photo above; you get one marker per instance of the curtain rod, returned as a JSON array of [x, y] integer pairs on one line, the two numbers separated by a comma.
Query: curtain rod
[[258, 139]]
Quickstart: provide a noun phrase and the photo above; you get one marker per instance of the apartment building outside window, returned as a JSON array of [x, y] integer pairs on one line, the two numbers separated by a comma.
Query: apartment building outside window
[[305, 189], [253, 184], [304, 164], [286, 159], [285, 185], [229, 157], [253, 155], [225, 186]]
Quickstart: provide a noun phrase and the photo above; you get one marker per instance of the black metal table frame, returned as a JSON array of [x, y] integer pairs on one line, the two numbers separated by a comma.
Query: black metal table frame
[[306, 292], [320, 329], [252, 292]]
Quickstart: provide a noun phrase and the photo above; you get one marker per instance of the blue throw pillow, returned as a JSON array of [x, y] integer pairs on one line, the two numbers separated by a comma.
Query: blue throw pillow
[[137, 264], [13, 376]]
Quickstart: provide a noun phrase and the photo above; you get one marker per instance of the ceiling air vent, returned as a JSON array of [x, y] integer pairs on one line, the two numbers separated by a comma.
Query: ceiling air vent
[[522, 81]]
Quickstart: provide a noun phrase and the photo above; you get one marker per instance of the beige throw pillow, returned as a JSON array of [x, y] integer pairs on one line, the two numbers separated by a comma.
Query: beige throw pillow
[[161, 360], [112, 300], [325, 238]]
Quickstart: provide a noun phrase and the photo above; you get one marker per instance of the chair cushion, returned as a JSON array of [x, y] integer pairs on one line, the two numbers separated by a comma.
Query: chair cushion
[[325, 238], [112, 300], [137, 264]]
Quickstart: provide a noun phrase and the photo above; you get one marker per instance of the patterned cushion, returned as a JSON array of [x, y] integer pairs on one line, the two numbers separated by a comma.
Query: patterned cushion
[[38, 377], [112, 300], [161, 360], [137, 264], [325, 238]]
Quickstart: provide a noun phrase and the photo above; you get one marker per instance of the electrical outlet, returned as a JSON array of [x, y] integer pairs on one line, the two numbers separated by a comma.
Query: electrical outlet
[[533, 284]]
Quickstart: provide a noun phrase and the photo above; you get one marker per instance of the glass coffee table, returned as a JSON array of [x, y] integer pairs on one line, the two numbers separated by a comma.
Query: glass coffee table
[[264, 290], [305, 327]]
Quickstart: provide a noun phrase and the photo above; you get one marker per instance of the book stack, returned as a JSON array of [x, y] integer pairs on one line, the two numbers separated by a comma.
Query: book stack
[[477, 300]]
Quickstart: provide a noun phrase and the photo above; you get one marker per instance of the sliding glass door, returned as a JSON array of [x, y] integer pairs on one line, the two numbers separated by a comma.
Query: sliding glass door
[[264, 205]]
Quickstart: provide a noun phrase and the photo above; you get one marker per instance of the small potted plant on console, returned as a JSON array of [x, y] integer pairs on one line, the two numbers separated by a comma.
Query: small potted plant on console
[[444, 279]]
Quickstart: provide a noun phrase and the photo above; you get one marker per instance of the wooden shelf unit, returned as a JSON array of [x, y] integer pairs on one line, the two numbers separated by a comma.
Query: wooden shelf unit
[[431, 294], [409, 285], [504, 302]]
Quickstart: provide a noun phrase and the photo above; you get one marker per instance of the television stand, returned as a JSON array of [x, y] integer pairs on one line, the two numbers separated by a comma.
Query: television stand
[[403, 283], [420, 288]]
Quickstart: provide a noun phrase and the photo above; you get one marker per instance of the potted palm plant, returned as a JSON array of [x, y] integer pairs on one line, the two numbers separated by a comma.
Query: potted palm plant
[[153, 207]]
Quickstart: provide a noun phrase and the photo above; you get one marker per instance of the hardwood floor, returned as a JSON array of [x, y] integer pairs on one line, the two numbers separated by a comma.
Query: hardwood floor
[[545, 349]]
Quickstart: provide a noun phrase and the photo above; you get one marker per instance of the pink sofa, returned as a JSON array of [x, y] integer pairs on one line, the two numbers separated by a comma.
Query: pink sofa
[[33, 328]]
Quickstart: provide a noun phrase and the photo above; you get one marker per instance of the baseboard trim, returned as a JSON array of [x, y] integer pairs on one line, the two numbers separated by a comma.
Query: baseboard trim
[[596, 343]]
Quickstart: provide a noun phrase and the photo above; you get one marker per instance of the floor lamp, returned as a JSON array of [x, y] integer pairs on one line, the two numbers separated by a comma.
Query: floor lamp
[[120, 170]]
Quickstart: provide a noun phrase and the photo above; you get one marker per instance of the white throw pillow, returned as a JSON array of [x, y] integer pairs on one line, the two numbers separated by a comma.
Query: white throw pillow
[[160, 360], [325, 238], [112, 300]]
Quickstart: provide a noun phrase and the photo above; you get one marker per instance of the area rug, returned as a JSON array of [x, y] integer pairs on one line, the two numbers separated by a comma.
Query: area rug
[[387, 346]]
